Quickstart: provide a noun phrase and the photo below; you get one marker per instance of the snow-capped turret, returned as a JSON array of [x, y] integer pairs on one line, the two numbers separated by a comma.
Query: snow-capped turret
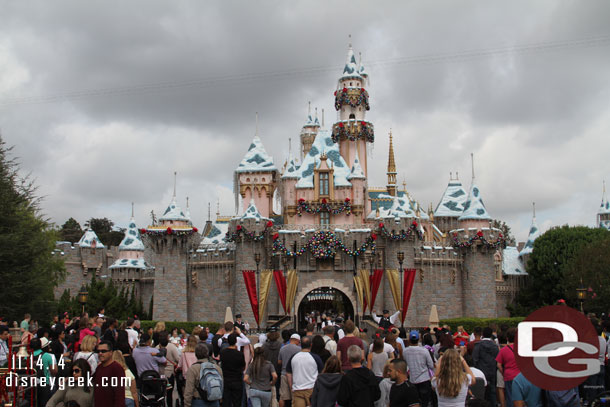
[[256, 158], [533, 235], [90, 240], [252, 213], [291, 169], [603, 215], [351, 66], [356, 172], [132, 240], [474, 209], [174, 213], [453, 200]]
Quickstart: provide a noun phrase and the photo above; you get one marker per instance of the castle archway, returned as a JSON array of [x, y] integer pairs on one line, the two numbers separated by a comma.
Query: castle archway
[[322, 296]]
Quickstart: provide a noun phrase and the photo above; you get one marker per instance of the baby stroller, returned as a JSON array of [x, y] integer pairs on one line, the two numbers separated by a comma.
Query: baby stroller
[[152, 389]]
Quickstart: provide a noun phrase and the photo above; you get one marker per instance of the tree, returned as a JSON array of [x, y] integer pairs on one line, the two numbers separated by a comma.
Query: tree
[[29, 270], [71, 231], [550, 263], [103, 228], [590, 270], [508, 235]]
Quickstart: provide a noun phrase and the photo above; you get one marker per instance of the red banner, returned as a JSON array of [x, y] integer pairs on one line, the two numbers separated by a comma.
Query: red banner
[[280, 283], [375, 282], [409, 280], [250, 281]]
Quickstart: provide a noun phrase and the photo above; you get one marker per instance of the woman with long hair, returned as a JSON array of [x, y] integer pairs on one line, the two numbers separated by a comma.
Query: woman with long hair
[[76, 390], [327, 384], [453, 376], [377, 359], [318, 347], [261, 376], [391, 338], [122, 342], [131, 392], [86, 351]]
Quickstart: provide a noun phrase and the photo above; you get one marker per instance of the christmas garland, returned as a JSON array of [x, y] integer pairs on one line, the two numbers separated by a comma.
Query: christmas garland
[[168, 231], [402, 235], [324, 206], [251, 236], [342, 97], [358, 130], [324, 245], [499, 243]]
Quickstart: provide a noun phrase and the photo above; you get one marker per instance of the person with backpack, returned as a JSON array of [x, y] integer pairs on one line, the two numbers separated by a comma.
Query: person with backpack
[[204, 381], [261, 377]]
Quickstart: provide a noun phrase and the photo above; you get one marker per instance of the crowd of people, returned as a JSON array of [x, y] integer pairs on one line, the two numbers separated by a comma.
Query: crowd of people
[[330, 363]]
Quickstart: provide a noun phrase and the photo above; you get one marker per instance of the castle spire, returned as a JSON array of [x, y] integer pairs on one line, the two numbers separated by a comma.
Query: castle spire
[[391, 169], [534, 233], [175, 173]]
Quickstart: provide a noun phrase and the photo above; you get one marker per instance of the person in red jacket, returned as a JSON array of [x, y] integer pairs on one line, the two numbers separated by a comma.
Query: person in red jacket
[[109, 379]]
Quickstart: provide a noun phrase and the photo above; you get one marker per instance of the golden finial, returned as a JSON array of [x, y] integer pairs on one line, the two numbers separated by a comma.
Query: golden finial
[[391, 187]]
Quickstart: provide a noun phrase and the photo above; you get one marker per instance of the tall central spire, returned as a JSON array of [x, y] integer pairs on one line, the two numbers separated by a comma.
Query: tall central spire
[[391, 169]]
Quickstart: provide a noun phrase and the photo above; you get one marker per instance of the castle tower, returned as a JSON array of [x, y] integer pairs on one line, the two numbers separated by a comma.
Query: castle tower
[[474, 215], [391, 169], [451, 205], [171, 242], [352, 131], [130, 267], [533, 235], [256, 178], [309, 132], [603, 216]]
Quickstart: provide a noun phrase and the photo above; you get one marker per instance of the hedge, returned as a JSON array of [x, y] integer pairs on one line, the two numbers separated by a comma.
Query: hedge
[[470, 323], [187, 326]]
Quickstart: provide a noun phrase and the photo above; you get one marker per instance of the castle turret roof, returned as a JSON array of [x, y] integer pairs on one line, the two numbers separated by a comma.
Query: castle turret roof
[[91, 240], [604, 208], [357, 172], [453, 200], [323, 144], [132, 239], [474, 207], [174, 212], [351, 67], [291, 169], [512, 263], [216, 235], [533, 235], [252, 213], [131, 263], [256, 159]]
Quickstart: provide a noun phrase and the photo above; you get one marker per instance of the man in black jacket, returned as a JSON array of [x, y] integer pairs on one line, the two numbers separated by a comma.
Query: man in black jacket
[[484, 355], [359, 386]]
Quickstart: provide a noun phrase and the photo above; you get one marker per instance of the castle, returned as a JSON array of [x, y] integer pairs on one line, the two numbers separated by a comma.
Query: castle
[[329, 227]]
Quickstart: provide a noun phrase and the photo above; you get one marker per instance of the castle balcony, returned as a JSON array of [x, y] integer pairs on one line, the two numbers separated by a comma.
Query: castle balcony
[[353, 97], [353, 130], [487, 237], [430, 253]]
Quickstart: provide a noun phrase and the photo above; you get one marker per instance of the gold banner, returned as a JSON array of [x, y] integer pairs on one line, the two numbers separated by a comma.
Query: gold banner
[[366, 287], [358, 284], [263, 290], [292, 280], [394, 280]]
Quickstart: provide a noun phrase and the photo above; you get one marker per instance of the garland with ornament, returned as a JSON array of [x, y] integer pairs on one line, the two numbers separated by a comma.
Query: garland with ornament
[[357, 130], [403, 234], [241, 233], [169, 231], [500, 242], [324, 206], [343, 97], [324, 245]]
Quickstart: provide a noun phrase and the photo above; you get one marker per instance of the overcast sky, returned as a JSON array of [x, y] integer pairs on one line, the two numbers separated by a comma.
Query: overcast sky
[[104, 100]]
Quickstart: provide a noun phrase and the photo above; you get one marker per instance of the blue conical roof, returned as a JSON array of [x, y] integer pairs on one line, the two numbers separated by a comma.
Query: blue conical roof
[[91, 240], [474, 208], [533, 235], [132, 239]]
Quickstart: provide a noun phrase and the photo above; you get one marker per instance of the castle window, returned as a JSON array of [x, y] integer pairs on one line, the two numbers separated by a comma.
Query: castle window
[[350, 84], [324, 179], [324, 218], [352, 116]]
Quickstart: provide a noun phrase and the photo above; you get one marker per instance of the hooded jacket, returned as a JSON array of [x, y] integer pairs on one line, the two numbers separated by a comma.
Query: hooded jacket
[[359, 388], [484, 356], [271, 351], [325, 390]]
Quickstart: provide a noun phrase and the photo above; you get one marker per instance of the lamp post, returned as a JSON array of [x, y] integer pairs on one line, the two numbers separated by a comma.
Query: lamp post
[[400, 256], [83, 296], [257, 259], [581, 291]]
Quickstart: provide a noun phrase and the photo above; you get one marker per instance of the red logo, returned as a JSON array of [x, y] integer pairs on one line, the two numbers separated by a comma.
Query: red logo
[[557, 348]]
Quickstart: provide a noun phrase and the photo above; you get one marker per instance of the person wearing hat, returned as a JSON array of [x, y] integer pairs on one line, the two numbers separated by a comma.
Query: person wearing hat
[[49, 368], [386, 320], [420, 365], [243, 326], [286, 353]]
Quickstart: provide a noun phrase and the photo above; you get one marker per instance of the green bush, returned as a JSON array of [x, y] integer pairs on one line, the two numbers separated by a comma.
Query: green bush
[[470, 323], [187, 326]]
